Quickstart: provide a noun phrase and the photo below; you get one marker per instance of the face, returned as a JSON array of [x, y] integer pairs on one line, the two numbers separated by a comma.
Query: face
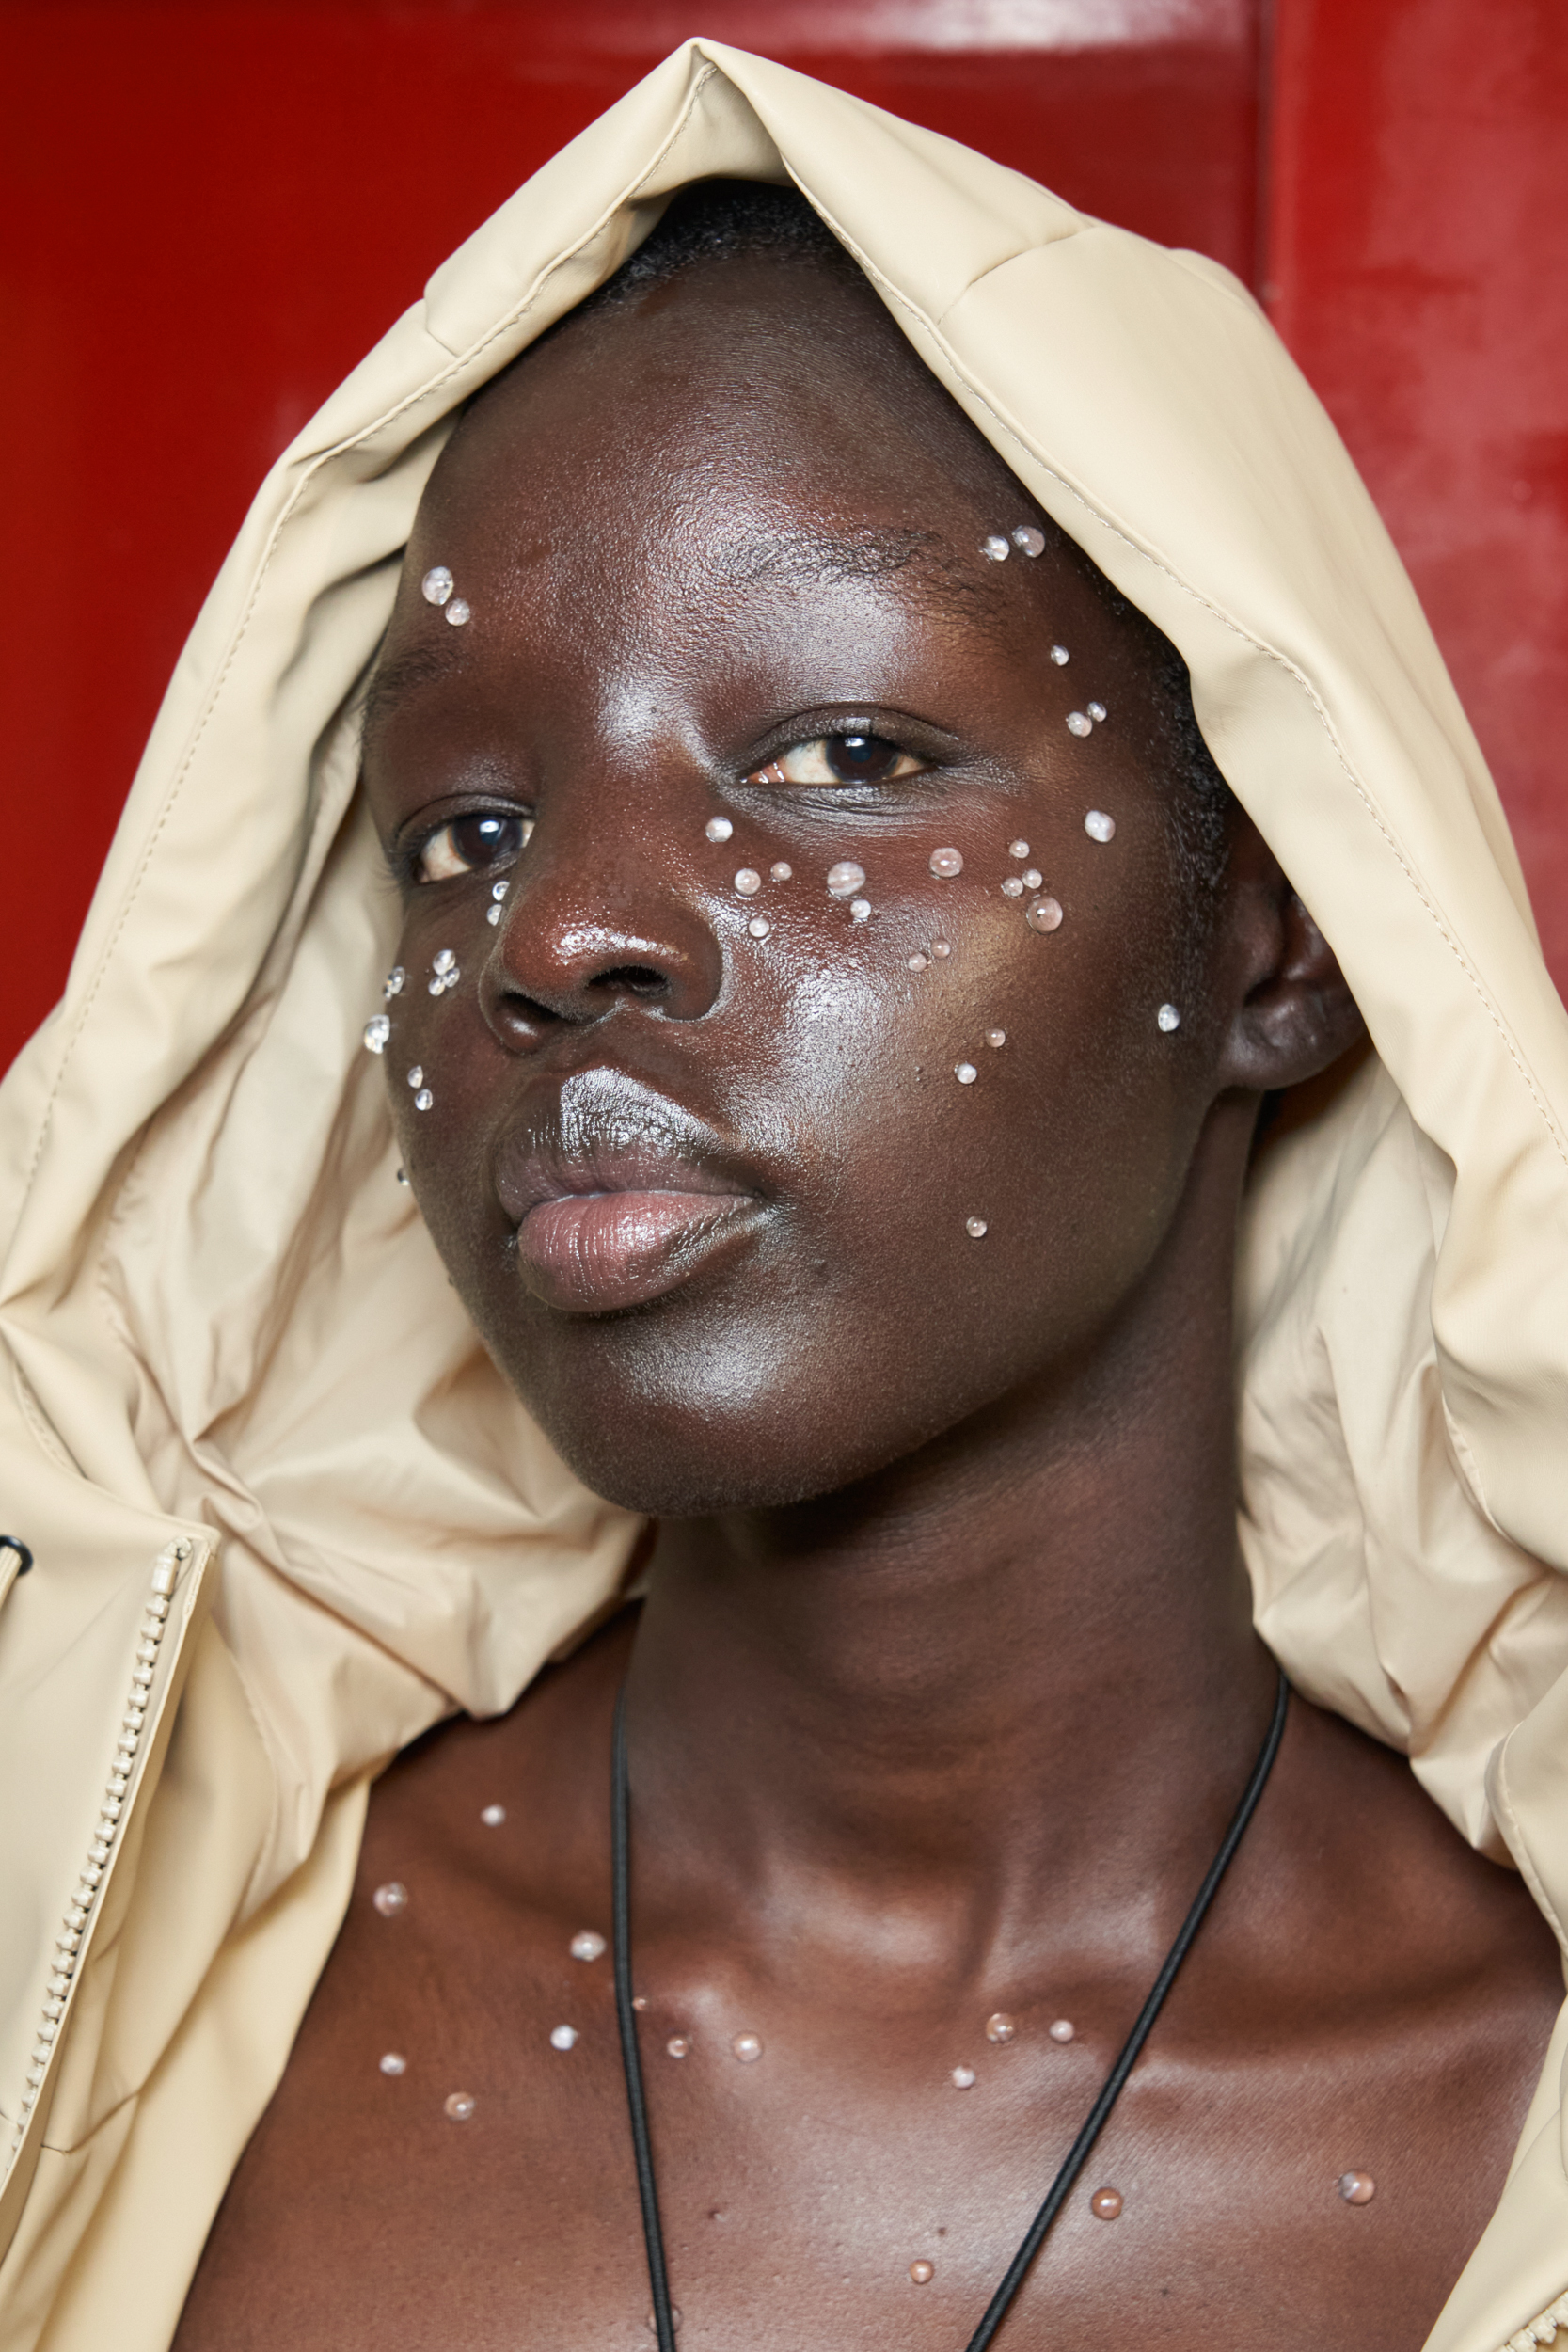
[[799, 1086]]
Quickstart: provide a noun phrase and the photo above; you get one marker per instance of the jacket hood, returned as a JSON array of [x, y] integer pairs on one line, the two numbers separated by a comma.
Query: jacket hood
[[227, 1330]]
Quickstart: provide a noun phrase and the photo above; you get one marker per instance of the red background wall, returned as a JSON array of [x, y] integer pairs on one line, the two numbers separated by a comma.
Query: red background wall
[[211, 208]]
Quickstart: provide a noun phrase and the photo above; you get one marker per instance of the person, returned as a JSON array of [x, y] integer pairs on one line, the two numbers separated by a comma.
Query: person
[[877, 786]]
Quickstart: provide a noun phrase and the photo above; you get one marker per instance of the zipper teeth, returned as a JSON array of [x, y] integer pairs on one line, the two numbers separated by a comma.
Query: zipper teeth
[[1540, 2331], [74, 1927]]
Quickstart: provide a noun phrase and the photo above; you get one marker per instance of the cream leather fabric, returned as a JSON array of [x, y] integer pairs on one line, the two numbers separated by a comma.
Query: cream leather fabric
[[239, 1384]]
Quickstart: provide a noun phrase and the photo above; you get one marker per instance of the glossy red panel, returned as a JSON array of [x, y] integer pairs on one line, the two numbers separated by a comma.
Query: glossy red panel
[[211, 212], [1419, 254]]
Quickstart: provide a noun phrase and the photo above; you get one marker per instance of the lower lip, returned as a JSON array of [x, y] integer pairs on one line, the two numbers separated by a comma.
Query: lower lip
[[593, 1252]]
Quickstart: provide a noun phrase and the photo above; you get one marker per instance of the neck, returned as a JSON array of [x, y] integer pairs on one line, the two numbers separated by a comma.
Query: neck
[[1018, 1664]]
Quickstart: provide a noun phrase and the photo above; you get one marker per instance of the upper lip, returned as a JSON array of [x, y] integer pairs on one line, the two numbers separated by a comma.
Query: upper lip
[[606, 1133]]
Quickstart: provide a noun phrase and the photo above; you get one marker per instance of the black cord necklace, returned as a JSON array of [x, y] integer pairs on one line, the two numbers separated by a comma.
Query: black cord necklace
[[1077, 2155]]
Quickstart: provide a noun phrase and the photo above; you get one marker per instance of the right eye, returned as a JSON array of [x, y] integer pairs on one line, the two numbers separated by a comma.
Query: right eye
[[469, 845]]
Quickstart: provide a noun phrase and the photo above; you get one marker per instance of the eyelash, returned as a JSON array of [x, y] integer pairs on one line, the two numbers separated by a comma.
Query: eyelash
[[904, 764], [455, 862]]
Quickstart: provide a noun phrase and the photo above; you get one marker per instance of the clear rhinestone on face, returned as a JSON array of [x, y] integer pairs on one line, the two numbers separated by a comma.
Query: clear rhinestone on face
[[392, 985], [964, 2077], [1357, 2189], [1077, 724], [459, 2106], [391, 1898], [423, 1100], [415, 1077], [393, 2062], [1033, 877], [845, 878], [965, 1073], [678, 2046], [999, 2027], [1060, 656], [1096, 712], [920, 964], [860, 910], [748, 882], [435, 587], [457, 612], [444, 960], [976, 1228], [759, 926], [747, 2047], [1168, 1018], [1099, 826], [719, 829], [493, 1816], [588, 1944], [1031, 541], [563, 2037], [1012, 887], [782, 871], [995, 547], [940, 948], [945, 864], [1044, 915], [377, 1031], [1018, 849]]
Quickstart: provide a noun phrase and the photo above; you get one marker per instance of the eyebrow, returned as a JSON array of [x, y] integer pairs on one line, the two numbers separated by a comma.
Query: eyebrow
[[392, 681], [810, 557]]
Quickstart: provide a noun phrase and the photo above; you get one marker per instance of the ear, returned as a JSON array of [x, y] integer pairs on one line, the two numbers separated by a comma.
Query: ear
[[1293, 1012]]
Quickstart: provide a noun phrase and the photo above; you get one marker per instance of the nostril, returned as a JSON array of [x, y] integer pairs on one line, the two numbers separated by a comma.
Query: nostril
[[638, 979]]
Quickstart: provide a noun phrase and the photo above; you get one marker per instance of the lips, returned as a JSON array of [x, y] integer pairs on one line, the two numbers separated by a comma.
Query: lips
[[619, 1195]]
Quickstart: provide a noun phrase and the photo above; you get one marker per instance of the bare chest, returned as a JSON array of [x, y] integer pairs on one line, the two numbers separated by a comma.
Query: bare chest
[[448, 2160]]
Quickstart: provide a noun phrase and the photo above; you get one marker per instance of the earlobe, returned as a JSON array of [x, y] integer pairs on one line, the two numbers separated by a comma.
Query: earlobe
[[1298, 1014]]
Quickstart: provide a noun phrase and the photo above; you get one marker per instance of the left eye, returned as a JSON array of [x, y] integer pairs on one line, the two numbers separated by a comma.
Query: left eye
[[469, 844], [839, 760]]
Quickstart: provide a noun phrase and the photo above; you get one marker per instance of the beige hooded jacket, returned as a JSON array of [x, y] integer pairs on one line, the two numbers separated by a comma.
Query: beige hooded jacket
[[283, 1510]]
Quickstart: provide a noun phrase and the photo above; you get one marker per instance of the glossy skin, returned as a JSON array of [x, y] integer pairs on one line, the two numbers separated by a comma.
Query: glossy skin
[[946, 1686]]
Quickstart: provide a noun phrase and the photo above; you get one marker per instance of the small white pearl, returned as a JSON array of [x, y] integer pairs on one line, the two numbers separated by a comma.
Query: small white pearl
[[493, 1816], [976, 1228], [748, 882], [758, 927], [1168, 1018], [457, 612], [944, 863], [1029, 539], [940, 948], [996, 1037], [1018, 849], [1012, 887], [563, 2037], [1096, 712], [1062, 2030], [1078, 724], [1033, 879], [391, 1898], [1060, 656], [999, 2027], [719, 829], [920, 964], [459, 2106], [394, 2063], [1099, 826], [588, 1944], [747, 2047], [964, 2077], [435, 587], [845, 878], [965, 1073], [678, 2046], [995, 547], [781, 872], [861, 910]]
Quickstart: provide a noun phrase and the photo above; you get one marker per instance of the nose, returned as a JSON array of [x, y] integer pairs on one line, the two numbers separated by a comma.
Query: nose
[[572, 949]]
